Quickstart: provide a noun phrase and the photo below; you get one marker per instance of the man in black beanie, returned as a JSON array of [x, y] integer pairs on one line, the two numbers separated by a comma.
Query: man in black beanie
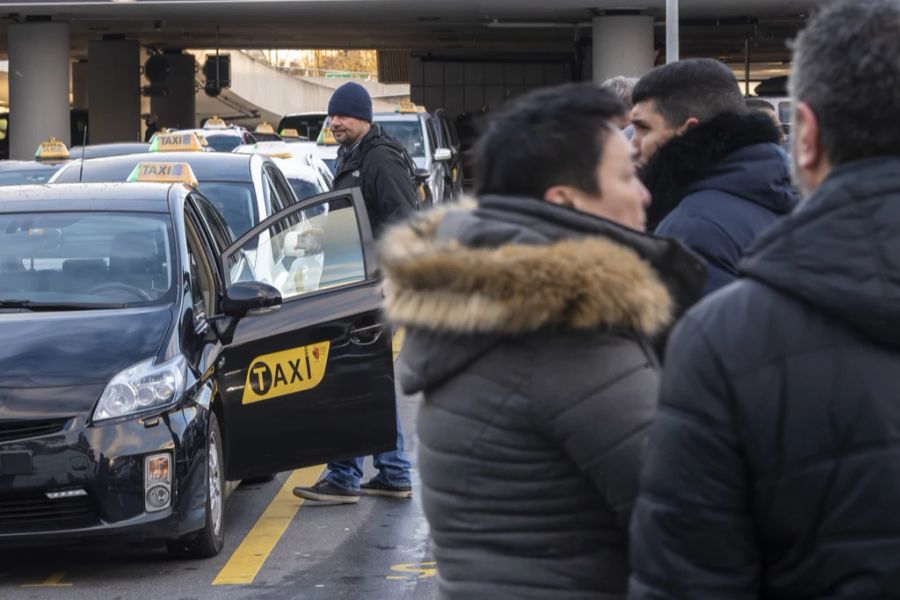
[[376, 163], [369, 159]]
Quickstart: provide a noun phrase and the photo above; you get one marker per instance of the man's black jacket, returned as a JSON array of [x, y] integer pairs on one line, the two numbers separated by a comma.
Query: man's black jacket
[[773, 468], [380, 168]]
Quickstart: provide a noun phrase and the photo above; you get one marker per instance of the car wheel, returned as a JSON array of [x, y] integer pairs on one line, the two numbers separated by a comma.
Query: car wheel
[[208, 541]]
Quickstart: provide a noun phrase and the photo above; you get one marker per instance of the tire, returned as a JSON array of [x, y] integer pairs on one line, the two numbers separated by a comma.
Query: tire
[[208, 541]]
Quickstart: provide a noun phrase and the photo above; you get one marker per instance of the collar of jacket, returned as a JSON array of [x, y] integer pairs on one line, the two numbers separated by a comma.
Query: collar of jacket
[[515, 265], [839, 250], [687, 158]]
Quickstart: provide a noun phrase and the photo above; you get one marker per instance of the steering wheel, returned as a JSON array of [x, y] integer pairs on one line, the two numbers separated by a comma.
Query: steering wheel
[[117, 286]]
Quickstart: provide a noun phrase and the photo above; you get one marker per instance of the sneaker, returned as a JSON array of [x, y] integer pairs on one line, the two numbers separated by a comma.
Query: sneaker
[[325, 491], [377, 488]]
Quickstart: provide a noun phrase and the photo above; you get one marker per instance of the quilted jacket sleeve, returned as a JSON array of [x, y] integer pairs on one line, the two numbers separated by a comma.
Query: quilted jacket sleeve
[[691, 533], [599, 413]]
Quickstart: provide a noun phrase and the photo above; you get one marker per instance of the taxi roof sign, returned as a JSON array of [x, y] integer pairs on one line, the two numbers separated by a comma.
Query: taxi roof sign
[[176, 142], [407, 106], [163, 172], [289, 133], [51, 149], [279, 155], [214, 122], [264, 128], [326, 137]]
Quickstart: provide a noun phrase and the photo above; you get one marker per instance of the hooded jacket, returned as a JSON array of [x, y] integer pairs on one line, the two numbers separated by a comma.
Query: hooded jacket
[[773, 469], [379, 167], [527, 330], [718, 186]]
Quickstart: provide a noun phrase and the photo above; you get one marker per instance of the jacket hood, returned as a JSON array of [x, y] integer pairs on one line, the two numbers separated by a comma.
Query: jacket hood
[[472, 275], [840, 251], [735, 154]]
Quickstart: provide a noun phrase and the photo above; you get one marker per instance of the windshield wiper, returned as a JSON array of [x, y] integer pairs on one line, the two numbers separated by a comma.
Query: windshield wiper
[[36, 306]]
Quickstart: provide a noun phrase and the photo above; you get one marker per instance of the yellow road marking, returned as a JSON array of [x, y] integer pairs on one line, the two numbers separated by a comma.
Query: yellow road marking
[[254, 550], [52, 581], [398, 341], [423, 571]]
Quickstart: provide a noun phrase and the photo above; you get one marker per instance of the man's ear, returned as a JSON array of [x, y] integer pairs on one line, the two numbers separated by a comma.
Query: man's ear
[[807, 139], [690, 122], [561, 195]]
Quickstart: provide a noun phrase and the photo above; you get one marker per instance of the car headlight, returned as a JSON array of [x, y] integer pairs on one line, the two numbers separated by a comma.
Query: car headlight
[[142, 387]]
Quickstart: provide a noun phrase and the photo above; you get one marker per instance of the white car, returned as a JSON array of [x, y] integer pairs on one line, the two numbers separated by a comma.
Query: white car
[[305, 172]]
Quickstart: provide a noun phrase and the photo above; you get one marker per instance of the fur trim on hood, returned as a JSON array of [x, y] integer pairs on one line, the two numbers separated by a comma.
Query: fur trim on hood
[[581, 283], [688, 158]]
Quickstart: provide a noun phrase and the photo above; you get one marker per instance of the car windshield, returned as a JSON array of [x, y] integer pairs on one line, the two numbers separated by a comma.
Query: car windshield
[[26, 177], [224, 143], [85, 259], [236, 203], [305, 189], [408, 133]]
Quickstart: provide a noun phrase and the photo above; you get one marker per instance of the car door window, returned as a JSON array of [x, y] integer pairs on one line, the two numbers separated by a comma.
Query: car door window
[[307, 250], [282, 188], [200, 271]]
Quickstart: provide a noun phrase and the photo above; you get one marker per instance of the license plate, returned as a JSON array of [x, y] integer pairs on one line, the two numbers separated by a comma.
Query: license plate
[[15, 463]]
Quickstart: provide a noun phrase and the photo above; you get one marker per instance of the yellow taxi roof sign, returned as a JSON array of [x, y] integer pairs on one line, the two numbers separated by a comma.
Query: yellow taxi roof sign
[[214, 122], [176, 142], [163, 172], [51, 149], [326, 137], [289, 133], [279, 155], [407, 106], [264, 128]]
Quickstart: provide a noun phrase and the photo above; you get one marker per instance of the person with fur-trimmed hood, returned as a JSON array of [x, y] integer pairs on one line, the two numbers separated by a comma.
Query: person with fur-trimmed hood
[[529, 323], [715, 169]]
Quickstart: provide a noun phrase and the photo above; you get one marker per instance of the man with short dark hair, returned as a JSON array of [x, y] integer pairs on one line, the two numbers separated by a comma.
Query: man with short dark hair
[[714, 169], [773, 469], [767, 108]]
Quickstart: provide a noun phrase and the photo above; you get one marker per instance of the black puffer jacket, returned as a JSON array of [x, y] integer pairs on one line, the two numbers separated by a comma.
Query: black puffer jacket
[[379, 167], [527, 328], [773, 469]]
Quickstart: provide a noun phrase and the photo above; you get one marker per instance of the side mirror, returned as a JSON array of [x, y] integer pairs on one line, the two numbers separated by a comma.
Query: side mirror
[[442, 154], [250, 297], [422, 174]]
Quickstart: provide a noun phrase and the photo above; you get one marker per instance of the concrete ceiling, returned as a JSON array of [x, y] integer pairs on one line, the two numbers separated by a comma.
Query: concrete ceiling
[[538, 27]]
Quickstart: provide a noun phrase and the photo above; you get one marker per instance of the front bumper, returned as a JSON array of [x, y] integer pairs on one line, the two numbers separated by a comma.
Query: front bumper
[[107, 461]]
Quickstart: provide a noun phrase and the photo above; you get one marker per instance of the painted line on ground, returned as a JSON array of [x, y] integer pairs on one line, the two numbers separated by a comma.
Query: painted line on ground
[[53, 581], [254, 550]]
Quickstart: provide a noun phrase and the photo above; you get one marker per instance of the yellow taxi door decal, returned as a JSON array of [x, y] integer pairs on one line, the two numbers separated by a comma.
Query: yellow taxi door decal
[[286, 372]]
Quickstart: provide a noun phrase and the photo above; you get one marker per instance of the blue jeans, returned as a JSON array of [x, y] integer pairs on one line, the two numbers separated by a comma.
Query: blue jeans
[[393, 467]]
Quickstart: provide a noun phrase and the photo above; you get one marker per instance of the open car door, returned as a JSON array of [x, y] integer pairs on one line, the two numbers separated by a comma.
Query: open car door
[[312, 381]]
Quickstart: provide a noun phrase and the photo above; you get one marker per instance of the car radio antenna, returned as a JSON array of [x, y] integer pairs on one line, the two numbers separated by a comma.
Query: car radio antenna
[[83, 146]]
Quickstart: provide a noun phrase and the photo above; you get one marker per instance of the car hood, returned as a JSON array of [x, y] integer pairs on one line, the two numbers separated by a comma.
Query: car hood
[[64, 359]]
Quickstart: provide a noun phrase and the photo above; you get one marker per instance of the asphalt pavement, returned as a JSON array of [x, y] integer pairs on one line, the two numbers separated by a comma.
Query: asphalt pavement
[[375, 550]]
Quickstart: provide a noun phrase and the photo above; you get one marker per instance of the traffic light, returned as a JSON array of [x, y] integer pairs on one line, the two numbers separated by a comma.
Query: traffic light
[[217, 71]]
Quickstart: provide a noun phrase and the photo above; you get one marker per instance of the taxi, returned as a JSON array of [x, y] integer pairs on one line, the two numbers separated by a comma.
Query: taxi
[[49, 158], [415, 129], [147, 357], [306, 173], [219, 136], [244, 188], [264, 132]]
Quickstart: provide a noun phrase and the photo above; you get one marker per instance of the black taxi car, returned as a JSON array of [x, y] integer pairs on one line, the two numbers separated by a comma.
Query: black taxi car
[[147, 357], [245, 188]]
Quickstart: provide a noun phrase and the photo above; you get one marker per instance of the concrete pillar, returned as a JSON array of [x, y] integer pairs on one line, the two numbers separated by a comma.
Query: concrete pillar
[[114, 90], [178, 108], [80, 84], [38, 86], [623, 45]]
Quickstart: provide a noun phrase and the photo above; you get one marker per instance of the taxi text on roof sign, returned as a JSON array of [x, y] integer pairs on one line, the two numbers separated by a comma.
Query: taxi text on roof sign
[[176, 142], [407, 107], [287, 372], [51, 149], [163, 173], [326, 137], [264, 128]]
